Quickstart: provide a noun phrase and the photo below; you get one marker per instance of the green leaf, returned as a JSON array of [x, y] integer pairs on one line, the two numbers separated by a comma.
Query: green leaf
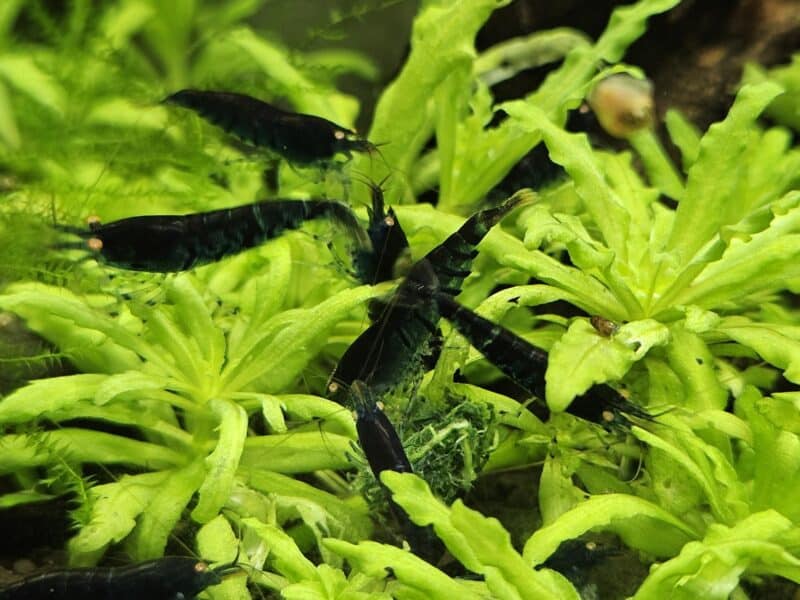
[[222, 463], [305, 94], [706, 465], [761, 262], [504, 60], [123, 20], [442, 41], [22, 73], [713, 177], [684, 135], [604, 512], [658, 166], [427, 581], [779, 345], [9, 131], [48, 395], [581, 358], [297, 452], [84, 446], [712, 568], [352, 513], [284, 554], [572, 151], [776, 456], [115, 506], [492, 156], [95, 342], [557, 492], [692, 362], [156, 523], [481, 544]]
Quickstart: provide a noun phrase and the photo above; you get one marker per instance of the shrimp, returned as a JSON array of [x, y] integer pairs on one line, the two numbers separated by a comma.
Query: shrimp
[[389, 245], [387, 352], [526, 364], [298, 137], [168, 578], [166, 243]]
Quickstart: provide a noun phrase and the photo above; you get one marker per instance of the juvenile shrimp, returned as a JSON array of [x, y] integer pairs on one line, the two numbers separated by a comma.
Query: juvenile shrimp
[[168, 578], [526, 364], [389, 244], [300, 138], [165, 243]]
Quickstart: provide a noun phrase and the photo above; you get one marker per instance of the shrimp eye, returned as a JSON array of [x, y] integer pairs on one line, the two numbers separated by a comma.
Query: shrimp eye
[[389, 222], [200, 567], [333, 388], [608, 416], [95, 244], [339, 134]]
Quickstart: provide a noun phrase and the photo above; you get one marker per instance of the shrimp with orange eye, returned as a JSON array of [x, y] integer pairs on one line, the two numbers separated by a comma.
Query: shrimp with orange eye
[[623, 104], [299, 138]]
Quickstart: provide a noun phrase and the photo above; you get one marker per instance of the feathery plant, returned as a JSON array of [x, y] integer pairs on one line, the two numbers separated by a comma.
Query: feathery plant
[[201, 405]]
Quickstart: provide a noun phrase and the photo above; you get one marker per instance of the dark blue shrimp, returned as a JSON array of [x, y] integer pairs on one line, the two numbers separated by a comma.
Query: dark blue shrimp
[[384, 452], [164, 243], [297, 137], [526, 364], [389, 242], [387, 353], [169, 578], [575, 559]]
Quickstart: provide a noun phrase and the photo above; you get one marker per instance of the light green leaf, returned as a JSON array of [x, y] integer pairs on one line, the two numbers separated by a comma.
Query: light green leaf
[[127, 383], [121, 112], [713, 567], [479, 543], [684, 135], [157, 521], [222, 463], [777, 344], [22, 73], [374, 559], [603, 512], [9, 132], [706, 465], [284, 555], [351, 513], [776, 456], [115, 508], [94, 341], [710, 187], [492, 156], [580, 359], [47, 395], [504, 60], [763, 261], [122, 20], [284, 353], [692, 362], [18, 451], [442, 41], [297, 452]]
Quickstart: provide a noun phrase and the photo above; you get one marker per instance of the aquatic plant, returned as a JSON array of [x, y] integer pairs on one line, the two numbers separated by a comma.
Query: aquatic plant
[[198, 396]]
